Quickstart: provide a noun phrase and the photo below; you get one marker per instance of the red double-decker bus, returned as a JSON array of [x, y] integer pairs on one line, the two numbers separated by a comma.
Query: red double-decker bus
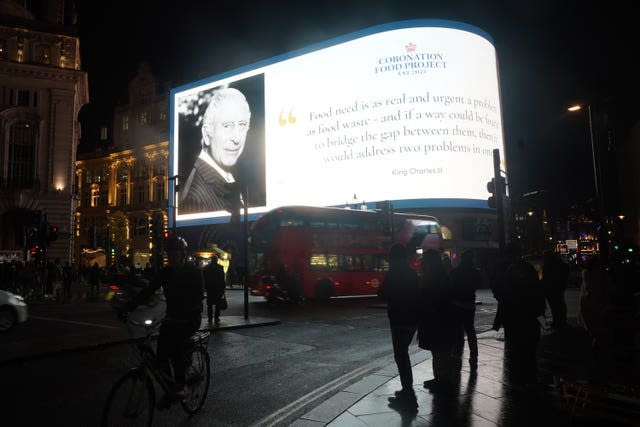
[[331, 252]]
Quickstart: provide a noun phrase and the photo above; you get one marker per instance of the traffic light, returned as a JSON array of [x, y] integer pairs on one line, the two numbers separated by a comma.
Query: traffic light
[[53, 232], [491, 188], [497, 188], [152, 227]]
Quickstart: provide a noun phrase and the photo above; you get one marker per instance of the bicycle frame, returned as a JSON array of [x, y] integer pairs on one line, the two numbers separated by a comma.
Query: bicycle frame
[[147, 355]]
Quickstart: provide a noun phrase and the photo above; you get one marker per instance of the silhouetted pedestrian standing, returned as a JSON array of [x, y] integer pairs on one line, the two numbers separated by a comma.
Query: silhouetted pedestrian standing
[[522, 303], [401, 290], [94, 279], [465, 279], [440, 329], [214, 284], [555, 275], [67, 278]]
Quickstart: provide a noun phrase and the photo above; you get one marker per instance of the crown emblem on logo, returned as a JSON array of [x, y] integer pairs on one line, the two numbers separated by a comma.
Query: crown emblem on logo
[[410, 47]]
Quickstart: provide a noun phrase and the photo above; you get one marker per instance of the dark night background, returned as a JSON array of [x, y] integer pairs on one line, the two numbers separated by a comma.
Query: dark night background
[[551, 54]]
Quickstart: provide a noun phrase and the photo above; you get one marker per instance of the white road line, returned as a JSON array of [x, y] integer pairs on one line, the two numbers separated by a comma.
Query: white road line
[[73, 322], [330, 387]]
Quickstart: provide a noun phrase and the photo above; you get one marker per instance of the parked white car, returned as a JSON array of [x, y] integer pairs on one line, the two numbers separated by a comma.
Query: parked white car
[[13, 310]]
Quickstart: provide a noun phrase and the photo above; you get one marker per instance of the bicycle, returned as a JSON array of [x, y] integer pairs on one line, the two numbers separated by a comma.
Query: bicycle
[[132, 399]]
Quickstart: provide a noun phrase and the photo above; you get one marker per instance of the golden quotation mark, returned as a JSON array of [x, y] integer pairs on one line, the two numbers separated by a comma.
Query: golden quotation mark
[[290, 118]]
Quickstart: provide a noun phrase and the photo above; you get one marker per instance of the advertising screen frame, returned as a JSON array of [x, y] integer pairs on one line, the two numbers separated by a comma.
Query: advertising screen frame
[[252, 85]]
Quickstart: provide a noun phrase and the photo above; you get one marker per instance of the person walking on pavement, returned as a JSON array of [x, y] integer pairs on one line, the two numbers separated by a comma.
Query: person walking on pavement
[[523, 304], [555, 275], [401, 290], [465, 279], [214, 282], [440, 329]]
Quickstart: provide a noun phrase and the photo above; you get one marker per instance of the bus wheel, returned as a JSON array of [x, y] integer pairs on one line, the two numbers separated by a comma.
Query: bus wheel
[[324, 290]]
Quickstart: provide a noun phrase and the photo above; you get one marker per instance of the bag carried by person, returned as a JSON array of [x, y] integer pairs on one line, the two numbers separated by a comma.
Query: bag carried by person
[[223, 302], [427, 331]]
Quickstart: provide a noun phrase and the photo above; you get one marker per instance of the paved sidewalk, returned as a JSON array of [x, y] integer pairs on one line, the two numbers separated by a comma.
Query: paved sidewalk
[[484, 398]]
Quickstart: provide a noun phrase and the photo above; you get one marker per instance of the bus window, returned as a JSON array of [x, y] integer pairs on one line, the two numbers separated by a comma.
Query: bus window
[[318, 262], [332, 263]]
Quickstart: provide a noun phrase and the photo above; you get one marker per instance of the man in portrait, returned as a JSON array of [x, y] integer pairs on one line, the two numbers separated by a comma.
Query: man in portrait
[[211, 185]]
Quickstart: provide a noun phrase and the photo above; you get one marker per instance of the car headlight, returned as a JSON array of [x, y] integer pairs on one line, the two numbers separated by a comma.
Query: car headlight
[[16, 299]]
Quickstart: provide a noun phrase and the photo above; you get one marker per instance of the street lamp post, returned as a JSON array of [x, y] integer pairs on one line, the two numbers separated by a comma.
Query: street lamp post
[[596, 181], [597, 178]]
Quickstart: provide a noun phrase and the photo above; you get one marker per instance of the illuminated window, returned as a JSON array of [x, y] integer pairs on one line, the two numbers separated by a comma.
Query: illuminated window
[[123, 172], [104, 134], [159, 189], [95, 197], [43, 54], [159, 169], [140, 170], [140, 193], [125, 122], [122, 195], [163, 113], [143, 118], [22, 143]]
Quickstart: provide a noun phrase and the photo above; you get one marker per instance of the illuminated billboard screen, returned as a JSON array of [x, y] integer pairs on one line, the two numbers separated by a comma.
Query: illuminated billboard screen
[[407, 112]]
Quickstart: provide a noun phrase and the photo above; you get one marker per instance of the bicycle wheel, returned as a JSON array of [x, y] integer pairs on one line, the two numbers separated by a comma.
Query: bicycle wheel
[[131, 401], [198, 376]]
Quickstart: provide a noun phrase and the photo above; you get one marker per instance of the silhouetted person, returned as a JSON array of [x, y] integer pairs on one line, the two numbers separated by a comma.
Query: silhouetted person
[[67, 278], [401, 290], [214, 282], [522, 303], [465, 279], [440, 329], [94, 278], [555, 275], [181, 282]]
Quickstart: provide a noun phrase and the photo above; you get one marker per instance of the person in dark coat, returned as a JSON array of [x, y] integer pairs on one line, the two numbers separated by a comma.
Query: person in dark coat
[[465, 279], [401, 290], [523, 304], [214, 282], [211, 185], [67, 278], [555, 275], [440, 329], [94, 278], [181, 282]]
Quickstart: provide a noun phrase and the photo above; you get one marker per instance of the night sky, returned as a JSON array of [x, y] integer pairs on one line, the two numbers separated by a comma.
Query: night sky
[[551, 53]]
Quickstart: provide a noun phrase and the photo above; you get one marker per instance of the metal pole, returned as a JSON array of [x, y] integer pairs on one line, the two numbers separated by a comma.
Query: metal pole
[[245, 239], [603, 236], [175, 202], [498, 193], [593, 155]]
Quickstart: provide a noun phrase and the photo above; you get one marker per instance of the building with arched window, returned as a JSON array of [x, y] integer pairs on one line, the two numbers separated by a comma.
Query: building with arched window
[[42, 90], [123, 186]]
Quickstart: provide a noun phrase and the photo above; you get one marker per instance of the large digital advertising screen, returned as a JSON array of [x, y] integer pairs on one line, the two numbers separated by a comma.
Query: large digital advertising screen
[[407, 112]]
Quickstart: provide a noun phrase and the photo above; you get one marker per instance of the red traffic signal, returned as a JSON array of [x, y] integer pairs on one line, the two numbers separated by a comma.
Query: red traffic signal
[[53, 232]]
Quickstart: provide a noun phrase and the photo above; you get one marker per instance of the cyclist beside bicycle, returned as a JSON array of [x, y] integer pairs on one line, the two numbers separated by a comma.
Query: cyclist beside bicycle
[[183, 290]]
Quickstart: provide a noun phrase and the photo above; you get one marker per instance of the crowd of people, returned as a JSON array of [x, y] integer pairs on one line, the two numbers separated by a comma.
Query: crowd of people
[[50, 280], [437, 305]]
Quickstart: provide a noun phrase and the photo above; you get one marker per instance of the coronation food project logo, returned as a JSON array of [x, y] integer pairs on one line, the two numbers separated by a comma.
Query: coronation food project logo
[[411, 61]]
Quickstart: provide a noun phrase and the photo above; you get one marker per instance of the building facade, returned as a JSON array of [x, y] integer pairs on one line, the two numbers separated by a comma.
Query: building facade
[[123, 189], [42, 90]]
